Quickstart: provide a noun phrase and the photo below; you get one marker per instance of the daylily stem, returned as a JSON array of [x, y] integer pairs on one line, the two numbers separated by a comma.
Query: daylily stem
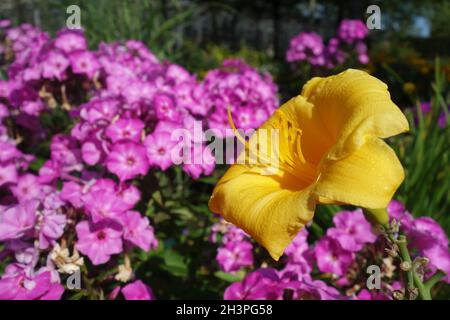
[[377, 216]]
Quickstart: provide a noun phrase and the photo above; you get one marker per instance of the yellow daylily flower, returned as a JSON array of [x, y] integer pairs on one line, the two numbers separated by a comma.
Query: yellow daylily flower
[[329, 150]]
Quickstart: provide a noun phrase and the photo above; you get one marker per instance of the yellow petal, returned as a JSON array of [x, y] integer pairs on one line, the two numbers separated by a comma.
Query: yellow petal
[[269, 208], [367, 178], [351, 106]]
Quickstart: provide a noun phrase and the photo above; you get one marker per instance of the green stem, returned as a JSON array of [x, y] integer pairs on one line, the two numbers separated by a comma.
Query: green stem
[[87, 283], [423, 292], [377, 216], [435, 278], [405, 257], [381, 217], [413, 277]]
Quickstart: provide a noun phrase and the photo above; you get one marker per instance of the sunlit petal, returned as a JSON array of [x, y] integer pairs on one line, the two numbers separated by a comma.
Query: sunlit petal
[[267, 207], [367, 178]]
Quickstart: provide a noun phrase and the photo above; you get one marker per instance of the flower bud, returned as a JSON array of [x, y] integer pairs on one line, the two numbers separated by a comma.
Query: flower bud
[[405, 265], [392, 251], [413, 293], [395, 226], [398, 295], [422, 261]]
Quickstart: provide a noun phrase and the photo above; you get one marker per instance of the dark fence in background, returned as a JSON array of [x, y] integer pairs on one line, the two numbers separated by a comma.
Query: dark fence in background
[[430, 47], [263, 25]]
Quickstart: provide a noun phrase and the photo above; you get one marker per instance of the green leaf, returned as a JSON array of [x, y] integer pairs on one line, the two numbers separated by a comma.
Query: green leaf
[[161, 217], [36, 164], [77, 296], [157, 197], [175, 264], [229, 277], [183, 213]]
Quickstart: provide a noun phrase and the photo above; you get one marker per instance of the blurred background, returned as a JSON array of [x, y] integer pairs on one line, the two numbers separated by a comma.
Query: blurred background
[[200, 34]]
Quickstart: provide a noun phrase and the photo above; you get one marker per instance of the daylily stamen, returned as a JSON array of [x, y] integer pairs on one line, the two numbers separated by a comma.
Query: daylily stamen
[[290, 148], [290, 143], [235, 130]]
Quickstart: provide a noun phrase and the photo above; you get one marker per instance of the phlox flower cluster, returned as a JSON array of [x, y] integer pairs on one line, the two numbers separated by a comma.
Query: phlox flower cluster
[[293, 281], [32, 218], [340, 257], [130, 93], [349, 39], [80, 208], [307, 46], [235, 249], [127, 126], [250, 96]]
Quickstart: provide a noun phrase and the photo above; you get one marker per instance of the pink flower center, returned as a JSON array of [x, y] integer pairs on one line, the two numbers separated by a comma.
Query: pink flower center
[[101, 235], [130, 161], [161, 151]]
